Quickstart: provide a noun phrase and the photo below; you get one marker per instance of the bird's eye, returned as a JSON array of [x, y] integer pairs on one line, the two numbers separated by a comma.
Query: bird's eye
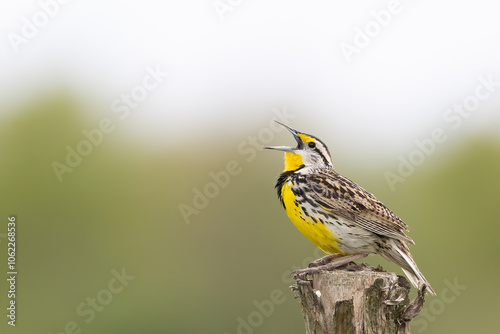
[[311, 144]]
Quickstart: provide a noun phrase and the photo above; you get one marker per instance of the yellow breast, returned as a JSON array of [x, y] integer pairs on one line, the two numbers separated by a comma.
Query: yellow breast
[[315, 231]]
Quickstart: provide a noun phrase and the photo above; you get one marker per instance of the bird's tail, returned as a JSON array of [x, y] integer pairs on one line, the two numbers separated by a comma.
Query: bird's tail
[[400, 254]]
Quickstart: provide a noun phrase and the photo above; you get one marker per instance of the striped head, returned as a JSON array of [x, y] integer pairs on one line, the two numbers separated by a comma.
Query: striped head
[[310, 153]]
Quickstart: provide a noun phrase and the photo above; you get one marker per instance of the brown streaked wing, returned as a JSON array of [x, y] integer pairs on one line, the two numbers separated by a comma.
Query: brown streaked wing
[[347, 199]]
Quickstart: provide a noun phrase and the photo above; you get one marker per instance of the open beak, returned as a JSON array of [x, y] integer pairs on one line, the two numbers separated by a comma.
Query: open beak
[[295, 134]]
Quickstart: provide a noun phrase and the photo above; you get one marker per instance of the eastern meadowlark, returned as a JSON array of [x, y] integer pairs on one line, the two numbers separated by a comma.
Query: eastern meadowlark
[[336, 214]]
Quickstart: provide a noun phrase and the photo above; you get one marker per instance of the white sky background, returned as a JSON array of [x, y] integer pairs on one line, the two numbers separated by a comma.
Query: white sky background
[[228, 75]]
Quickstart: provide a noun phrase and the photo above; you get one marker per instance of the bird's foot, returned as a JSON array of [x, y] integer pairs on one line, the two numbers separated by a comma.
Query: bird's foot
[[324, 260], [302, 273], [329, 265]]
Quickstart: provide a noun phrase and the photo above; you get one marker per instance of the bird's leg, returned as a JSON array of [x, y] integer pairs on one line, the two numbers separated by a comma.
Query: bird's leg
[[336, 264], [302, 273], [325, 259]]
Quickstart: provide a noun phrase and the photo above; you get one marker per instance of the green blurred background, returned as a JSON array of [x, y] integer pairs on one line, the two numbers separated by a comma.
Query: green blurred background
[[124, 242], [120, 209]]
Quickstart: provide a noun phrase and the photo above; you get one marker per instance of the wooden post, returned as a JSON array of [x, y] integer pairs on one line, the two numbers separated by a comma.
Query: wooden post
[[357, 298]]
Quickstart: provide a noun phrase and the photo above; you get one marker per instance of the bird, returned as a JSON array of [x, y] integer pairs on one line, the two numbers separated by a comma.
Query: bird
[[339, 216]]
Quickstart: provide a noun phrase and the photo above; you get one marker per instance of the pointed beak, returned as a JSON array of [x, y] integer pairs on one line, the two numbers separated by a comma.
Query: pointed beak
[[295, 134]]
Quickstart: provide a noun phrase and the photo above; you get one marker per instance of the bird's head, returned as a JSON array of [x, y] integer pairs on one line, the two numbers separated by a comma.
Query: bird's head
[[310, 152]]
